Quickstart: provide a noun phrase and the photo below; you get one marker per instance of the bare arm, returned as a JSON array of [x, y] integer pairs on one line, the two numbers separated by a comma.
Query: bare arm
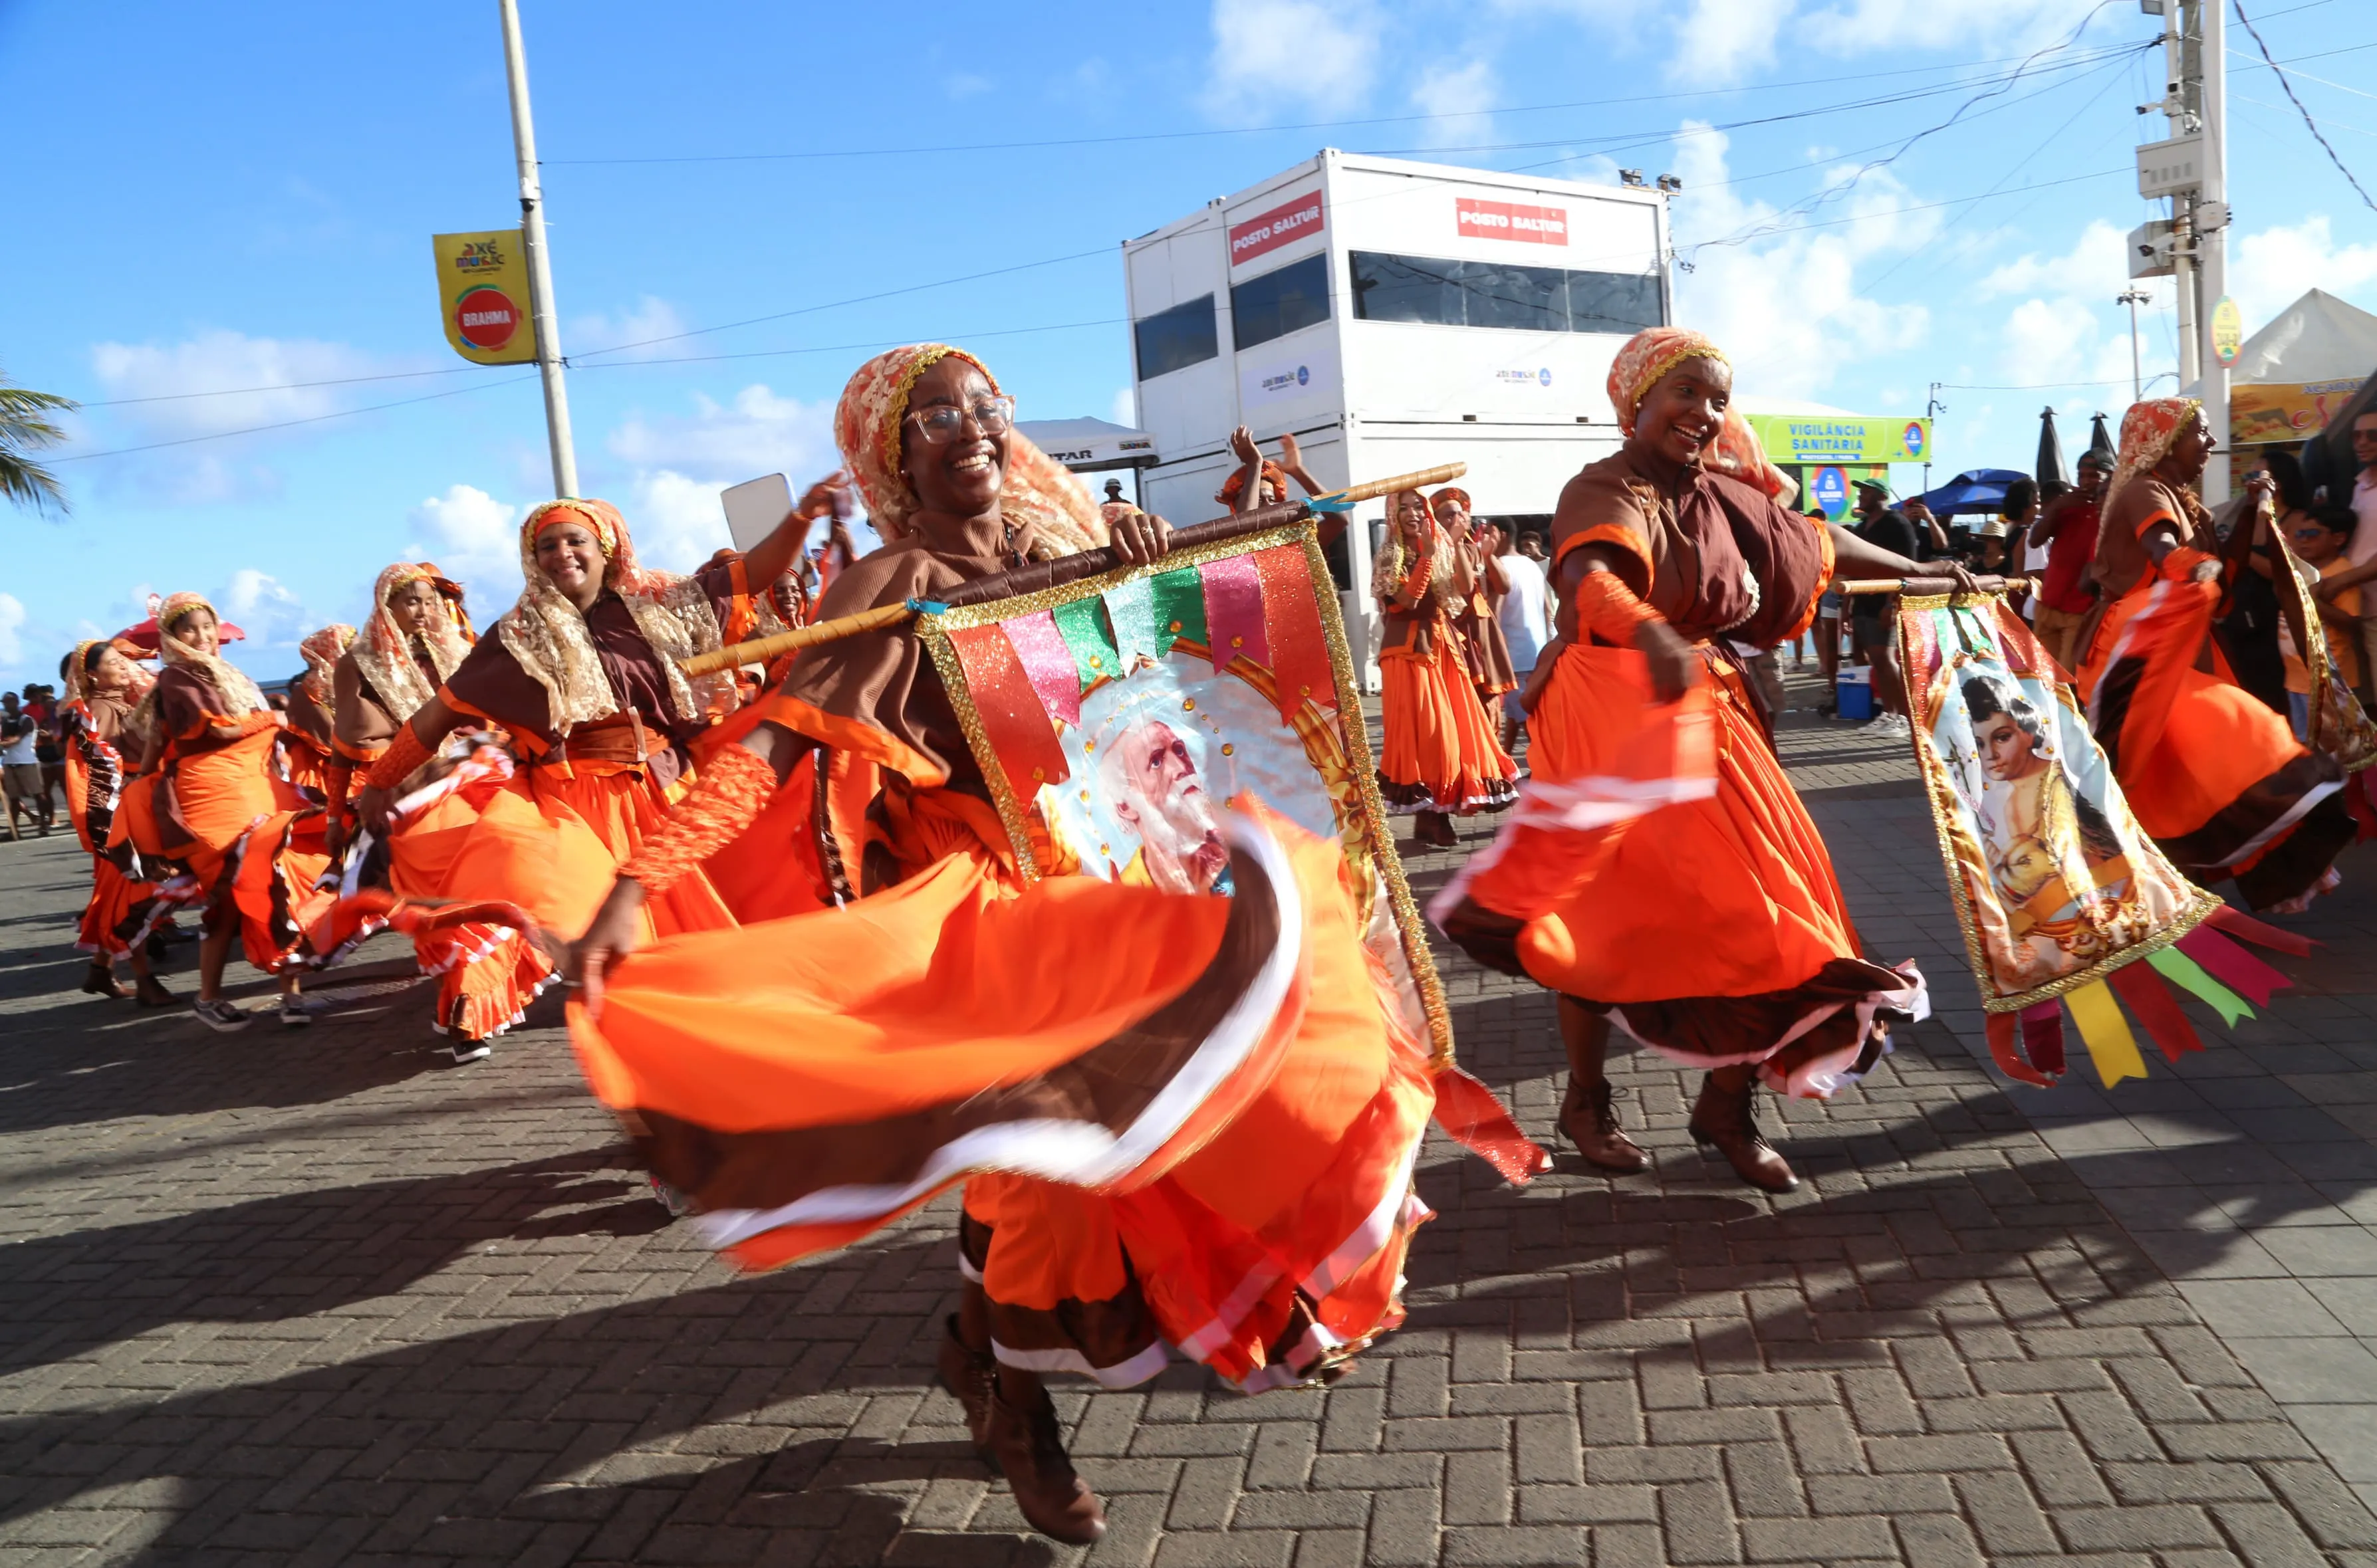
[[430, 723], [1291, 463], [1242, 442]]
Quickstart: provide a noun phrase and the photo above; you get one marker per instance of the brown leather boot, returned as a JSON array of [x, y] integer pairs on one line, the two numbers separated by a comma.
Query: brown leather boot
[[1592, 1126], [1031, 1451], [1724, 1124], [1434, 829], [969, 1374], [101, 981]]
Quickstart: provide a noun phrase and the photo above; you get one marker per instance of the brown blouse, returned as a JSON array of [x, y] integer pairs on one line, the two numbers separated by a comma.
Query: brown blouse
[[1712, 556], [187, 709], [2121, 559]]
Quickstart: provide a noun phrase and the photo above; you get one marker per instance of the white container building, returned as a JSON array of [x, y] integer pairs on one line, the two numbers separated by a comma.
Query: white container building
[[1393, 316]]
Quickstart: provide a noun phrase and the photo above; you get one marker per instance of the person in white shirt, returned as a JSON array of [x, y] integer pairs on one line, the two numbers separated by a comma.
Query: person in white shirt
[[1526, 619], [21, 766]]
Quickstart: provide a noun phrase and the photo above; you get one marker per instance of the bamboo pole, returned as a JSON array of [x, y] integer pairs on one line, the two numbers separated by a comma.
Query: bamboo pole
[[1049, 573], [1934, 585]]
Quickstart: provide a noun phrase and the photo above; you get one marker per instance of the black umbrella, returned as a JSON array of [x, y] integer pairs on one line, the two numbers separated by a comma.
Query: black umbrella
[[2050, 451], [2100, 442]]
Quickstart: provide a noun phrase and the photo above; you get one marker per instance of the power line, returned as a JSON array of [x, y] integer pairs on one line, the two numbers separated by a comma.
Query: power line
[[285, 424], [2310, 124], [277, 386]]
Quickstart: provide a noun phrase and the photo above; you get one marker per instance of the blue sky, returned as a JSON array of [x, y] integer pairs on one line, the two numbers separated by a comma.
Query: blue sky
[[242, 196]]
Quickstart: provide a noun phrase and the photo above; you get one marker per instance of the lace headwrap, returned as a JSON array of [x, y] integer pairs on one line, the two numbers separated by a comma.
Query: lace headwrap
[[2148, 432], [548, 636], [1417, 575], [240, 696], [1037, 489], [321, 652], [1647, 357], [384, 653], [134, 738]]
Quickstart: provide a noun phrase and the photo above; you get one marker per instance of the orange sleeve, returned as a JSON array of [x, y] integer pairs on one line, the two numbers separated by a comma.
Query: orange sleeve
[[1609, 609]]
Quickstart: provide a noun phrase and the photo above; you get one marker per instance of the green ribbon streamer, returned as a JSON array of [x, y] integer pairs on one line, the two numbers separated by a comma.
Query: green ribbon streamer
[[1178, 600], [2192, 977], [1130, 611], [1085, 633]]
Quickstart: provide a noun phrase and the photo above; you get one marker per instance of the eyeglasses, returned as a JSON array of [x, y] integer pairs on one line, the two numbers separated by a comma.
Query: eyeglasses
[[943, 423]]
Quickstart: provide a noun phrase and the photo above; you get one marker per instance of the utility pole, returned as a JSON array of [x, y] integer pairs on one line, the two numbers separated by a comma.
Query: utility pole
[[1933, 409], [2134, 297], [2212, 241], [540, 264], [2195, 175]]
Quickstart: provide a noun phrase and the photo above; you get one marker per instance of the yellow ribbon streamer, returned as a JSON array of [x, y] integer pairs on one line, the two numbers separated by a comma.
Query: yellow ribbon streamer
[[2111, 1046]]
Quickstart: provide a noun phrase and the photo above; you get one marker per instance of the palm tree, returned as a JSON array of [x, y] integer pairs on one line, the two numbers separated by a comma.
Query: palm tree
[[24, 428]]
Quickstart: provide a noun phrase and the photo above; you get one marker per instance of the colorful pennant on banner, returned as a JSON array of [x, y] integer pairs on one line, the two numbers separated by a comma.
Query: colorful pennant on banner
[[2059, 893]]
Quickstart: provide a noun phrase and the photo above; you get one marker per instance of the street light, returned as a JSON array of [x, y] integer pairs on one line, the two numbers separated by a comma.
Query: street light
[[2134, 297]]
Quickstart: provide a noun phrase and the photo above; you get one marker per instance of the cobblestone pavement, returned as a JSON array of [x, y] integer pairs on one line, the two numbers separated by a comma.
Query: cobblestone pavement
[[313, 1297]]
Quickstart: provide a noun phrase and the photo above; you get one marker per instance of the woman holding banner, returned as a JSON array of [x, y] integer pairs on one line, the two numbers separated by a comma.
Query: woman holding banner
[[1180, 1120], [2214, 774], [1659, 871], [1442, 758]]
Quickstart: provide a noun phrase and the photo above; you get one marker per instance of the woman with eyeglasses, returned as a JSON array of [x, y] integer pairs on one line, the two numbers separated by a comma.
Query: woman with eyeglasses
[[1181, 1119], [2214, 774], [582, 675]]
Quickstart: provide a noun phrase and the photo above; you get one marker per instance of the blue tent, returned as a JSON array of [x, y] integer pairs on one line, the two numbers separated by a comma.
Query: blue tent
[[1980, 490]]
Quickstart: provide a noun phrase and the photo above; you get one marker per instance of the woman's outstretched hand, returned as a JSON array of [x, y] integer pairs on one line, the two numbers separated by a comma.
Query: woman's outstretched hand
[[1674, 665], [616, 931]]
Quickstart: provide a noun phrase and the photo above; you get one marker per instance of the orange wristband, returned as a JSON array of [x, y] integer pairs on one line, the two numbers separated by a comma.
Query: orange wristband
[[404, 754], [734, 789], [1609, 609]]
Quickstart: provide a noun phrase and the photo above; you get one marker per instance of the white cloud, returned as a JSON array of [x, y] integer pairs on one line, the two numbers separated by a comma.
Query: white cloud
[[2269, 270], [964, 85], [678, 522], [1275, 56], [1787, 307], [1722, 41], [270, 615], [1125, 407], [653, 318], [226, 362], [1463, 90], [12, 624], [758, 433], [470, 535], [2069, 326], [1869, 27]]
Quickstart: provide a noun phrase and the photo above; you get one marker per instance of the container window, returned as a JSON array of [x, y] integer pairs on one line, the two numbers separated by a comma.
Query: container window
[[1176, 338], [1486, 293], [1279, 302]]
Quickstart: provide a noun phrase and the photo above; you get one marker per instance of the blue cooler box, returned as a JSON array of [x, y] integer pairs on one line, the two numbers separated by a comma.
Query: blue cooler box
[[1855, 693]]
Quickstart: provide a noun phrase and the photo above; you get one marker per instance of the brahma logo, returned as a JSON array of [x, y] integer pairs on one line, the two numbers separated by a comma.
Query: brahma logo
[[1281, 225], [1504, 221]]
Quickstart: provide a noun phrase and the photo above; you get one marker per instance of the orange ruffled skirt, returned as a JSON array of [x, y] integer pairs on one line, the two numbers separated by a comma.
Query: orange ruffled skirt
[[2209, 770], [1441, 752], [257, 842], [1661, 867], [1180, 1121]]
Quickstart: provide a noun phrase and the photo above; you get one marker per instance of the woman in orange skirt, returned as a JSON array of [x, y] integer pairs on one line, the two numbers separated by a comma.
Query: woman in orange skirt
[[1442, 758], [1480, 621], [214, 803], [104, 688], [2212, 772], [582, 675], [1181, 1120], [308, 749], [1660, 873]]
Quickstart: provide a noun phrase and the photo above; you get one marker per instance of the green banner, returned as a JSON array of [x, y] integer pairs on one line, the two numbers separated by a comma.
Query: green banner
[[1842, 438]]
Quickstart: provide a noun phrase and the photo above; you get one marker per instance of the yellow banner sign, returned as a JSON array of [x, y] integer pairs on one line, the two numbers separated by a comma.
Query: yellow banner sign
[[2287, 412], [483, 295]]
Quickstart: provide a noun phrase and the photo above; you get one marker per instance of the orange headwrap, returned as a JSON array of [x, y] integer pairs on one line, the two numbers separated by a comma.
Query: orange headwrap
[[1647, 357]]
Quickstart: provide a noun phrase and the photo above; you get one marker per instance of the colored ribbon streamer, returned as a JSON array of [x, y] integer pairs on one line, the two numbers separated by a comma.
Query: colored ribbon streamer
[[2189, 976], [1179, 601], [1048, 661], [2106, 1033], [1300, 669], [1233, 611], [2002, 1029], [1323, 504], [2232, 966], [1018, 728], [2151, 1001], [2042, 1036], [1130, 611], [1085, 631], [2245, 928]]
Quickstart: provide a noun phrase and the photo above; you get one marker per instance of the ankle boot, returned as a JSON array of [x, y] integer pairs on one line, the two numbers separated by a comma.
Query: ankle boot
[[1592, 1126], [1434, 830], [969, 1374], [1031, 1452], [101, 982], [1724, 1124], [151, 993]]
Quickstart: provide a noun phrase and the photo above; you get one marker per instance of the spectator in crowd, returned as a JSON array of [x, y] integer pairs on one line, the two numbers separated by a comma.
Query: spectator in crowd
[[1525, 614], [2067, 530], [2251, 631], [2318, 537], [1872, 615], [1531, 545], [1828, 636], [1114, 509], [42, 704], [1930, 539], [20, 766], [2017, 512]]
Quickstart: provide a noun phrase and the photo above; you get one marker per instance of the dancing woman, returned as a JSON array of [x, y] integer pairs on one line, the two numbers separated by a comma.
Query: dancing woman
[[1180, 1119], [213, 803], [1486, 649], [104, 688], [1710, 928], [1442, 758], [416, 635], [2214, 774]]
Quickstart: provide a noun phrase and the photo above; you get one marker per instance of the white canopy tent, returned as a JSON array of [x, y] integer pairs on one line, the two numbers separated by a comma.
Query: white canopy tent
[[1091, 445]]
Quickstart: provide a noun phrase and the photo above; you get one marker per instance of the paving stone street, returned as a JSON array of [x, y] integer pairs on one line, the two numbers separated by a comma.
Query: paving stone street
[[316, 1297]]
